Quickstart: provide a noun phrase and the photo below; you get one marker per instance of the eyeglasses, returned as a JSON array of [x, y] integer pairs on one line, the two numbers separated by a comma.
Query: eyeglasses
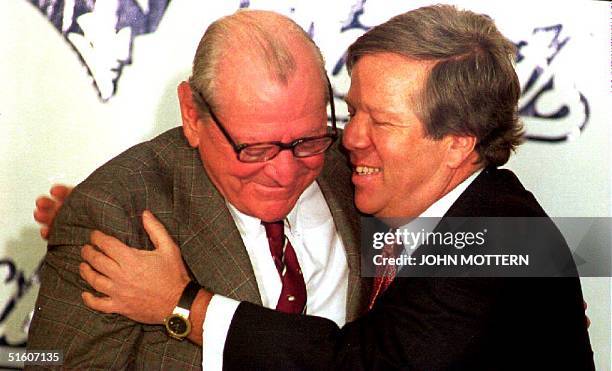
[[264, 151]]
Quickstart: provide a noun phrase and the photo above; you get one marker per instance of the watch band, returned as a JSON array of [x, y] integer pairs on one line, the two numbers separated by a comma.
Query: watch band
[[188, 296], [177, 324]]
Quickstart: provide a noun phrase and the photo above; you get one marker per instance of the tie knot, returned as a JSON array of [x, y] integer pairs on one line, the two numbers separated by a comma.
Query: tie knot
[[274, 230]]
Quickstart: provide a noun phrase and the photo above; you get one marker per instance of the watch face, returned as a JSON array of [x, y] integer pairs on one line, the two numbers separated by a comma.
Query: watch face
[[177, 325]]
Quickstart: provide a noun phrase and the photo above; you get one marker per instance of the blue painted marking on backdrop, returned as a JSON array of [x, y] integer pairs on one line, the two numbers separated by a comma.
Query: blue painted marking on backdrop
[[93, 28]]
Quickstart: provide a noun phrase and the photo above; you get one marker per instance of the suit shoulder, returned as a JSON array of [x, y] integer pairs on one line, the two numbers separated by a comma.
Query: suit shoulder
[[158, 153], [497, 193], [513, 199], [150, 163], [113, 196]]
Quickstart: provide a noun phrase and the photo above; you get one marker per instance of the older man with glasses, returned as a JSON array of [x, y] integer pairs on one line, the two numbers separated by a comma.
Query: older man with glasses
[[261, 213], [260, 152]]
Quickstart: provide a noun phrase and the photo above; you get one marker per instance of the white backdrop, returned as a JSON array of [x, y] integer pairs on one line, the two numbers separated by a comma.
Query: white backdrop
[[59, 123]]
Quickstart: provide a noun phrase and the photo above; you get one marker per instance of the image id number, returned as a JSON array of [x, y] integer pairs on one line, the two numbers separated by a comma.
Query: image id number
[[37, 357]]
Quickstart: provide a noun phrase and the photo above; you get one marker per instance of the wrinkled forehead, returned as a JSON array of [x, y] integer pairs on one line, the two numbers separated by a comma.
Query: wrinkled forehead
[[250, 89], [392, 76]]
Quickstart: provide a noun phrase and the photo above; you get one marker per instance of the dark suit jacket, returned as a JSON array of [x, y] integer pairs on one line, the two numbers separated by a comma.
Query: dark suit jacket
[[442, 323], [166, 176]]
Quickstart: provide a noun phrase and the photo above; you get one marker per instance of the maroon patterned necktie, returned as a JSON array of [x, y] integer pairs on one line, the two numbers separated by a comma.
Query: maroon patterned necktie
[[385, 273], [293, 293]]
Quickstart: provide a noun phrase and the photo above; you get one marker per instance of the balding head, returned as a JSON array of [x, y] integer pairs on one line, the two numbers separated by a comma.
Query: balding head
[[263, 78], [248, 41]]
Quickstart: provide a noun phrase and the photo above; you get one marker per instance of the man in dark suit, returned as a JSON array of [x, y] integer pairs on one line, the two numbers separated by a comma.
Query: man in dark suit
[[214, 196], [433, 106]]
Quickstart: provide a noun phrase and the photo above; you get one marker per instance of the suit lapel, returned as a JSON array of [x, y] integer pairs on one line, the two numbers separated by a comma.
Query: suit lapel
[[209, 240], [337, 189], [471, 203], [213, 248]]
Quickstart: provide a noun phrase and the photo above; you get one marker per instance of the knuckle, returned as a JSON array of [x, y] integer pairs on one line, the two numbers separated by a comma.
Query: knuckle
[[86, 274], [102, 239], [87, 301], [85, 251], [96, 258], [93, 281], [93, 236], [106, 308]]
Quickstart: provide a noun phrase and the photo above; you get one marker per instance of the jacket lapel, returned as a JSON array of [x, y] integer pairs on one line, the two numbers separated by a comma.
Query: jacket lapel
[[336, 186], [212, 246], [209, 240]]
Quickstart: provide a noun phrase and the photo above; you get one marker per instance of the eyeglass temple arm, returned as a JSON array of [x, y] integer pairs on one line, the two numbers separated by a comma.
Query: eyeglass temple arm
[[331, 103]]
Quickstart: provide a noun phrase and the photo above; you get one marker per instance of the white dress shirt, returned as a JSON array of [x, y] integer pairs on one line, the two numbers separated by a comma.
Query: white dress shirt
[[429, 219], [320, 252], [441, 207]]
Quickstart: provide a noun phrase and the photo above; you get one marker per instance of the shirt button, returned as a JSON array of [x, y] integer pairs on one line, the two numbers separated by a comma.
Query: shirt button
[[291, 298]]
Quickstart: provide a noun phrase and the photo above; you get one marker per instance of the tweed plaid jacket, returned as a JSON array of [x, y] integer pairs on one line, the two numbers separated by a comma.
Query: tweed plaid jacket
[[166, 176]]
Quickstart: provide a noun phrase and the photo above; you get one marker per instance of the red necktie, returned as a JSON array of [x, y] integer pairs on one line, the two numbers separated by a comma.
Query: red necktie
[[385, 273], [293, 293]]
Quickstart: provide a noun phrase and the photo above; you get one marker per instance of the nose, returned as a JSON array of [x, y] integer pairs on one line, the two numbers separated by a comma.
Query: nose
[[283, 168], [356, 134]]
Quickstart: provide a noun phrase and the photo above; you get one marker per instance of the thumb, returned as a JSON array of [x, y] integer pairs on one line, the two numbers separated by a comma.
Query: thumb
[[157, 233]]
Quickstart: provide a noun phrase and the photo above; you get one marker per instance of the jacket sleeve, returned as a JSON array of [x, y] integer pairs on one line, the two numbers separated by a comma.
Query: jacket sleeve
[[61, 321], [418, 324]]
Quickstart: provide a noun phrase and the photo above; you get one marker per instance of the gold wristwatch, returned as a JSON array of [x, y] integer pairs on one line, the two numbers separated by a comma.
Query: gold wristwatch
[[177, 324]]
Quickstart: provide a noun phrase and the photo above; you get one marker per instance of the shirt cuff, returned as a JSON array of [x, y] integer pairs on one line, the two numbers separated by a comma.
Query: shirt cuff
[[219, 316]]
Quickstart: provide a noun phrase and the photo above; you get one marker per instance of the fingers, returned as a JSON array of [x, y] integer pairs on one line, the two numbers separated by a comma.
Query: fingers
[[99, 261], [157, 232], [112, 247], [101, 304], [44, 217], [44, 233], [45, 203], [45, 210], [96, 280], [60, 192], [44, 214]]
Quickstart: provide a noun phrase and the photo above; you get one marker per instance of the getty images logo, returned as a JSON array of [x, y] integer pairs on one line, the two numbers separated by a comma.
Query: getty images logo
[[102, 32]]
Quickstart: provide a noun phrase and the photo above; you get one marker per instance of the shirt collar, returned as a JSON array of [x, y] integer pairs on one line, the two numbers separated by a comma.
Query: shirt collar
[[441, 206], [248, 224]]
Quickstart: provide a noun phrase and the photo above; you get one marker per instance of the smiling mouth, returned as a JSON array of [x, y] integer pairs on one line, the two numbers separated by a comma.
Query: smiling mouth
[[367, 170]]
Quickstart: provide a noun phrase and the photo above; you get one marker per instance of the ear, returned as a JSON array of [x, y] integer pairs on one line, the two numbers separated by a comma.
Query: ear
[[460, 148], [189, 114]]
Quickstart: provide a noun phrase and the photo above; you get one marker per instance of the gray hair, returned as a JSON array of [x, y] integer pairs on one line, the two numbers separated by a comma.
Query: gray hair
[[472, 87], [262, 36]]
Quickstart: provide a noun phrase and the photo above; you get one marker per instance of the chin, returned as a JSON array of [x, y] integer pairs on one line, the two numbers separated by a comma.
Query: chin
[[364, 206], [273, 217], [275, 211]]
